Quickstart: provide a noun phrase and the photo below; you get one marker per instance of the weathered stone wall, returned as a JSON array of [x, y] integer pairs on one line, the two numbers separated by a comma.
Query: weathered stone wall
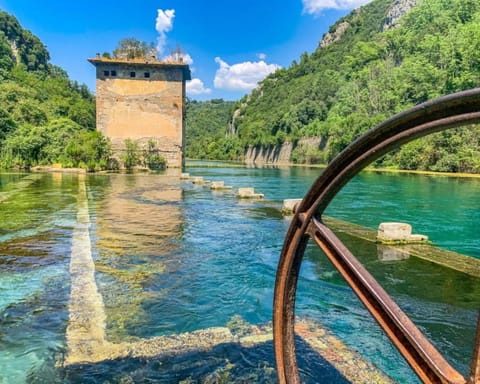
[[279, 154], [275, 154], [147, 106]]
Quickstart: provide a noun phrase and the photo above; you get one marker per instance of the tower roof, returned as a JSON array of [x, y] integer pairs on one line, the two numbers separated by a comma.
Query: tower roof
[[152, 62]]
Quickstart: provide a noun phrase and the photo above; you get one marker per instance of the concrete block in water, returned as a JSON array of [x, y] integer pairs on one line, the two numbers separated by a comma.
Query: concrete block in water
[[397, 233], [418, 237], [199, 180], [249, 192], [219, 185], [289, 205]]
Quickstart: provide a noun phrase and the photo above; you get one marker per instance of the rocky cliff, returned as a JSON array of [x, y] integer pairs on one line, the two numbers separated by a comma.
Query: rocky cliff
[[281, 153], [398, 9], [389, 18]]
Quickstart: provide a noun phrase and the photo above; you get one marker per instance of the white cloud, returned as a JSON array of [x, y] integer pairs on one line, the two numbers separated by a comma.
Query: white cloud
[[196, 87], [262, 56], [316, 6], [242, 76], [163, 24]]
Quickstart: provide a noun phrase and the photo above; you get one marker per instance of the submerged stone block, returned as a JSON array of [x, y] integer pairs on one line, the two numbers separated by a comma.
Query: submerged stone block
[[394, 231], [219, 185], [397, 233], [199, 180], [418, 237], [249, 192], [289, 205]]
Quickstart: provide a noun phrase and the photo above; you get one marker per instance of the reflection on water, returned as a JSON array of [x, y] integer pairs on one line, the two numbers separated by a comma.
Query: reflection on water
[[172, 257], [386, 253], [137, 229]]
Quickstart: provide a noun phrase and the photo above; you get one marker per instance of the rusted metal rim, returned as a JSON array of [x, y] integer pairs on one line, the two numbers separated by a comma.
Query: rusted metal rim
[[440, 114]]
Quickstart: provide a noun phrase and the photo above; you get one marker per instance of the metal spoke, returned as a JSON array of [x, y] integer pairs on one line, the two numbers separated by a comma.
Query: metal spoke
[[422, 356], [436, 115]]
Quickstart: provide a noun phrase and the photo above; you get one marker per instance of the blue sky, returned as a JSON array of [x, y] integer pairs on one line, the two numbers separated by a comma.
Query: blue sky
[[231, 44]]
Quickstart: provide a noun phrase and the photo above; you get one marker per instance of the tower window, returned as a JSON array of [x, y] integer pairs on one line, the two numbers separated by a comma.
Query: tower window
[[106, 73], [132, 74], [113, 73], [146, 75]]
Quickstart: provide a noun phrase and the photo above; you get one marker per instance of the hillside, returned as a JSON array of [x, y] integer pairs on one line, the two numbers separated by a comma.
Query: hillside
[[45, 117], [379, 60], [206, 130]]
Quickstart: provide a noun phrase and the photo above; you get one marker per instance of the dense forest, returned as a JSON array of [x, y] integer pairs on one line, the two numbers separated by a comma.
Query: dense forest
[[45, 118], [366, 69], [206, 130]]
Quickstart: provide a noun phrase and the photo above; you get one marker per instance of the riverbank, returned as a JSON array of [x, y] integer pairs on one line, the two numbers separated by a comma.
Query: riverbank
[[53, 168], [194, 163], [427, 173]]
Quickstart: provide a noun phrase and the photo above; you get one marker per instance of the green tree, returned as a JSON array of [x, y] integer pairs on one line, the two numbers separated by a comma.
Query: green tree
[[152, 158], [347, 87], [132, 48], [30, 51], [209, 122], [131, 155], [7, 124], [90, 150], [6, 56], [23, 147]]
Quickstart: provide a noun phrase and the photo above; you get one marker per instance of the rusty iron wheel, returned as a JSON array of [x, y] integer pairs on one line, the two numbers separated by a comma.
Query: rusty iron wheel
[[446, 112]]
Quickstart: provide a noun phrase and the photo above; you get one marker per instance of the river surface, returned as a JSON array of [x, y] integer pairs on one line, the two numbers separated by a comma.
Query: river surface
[[173, 257]]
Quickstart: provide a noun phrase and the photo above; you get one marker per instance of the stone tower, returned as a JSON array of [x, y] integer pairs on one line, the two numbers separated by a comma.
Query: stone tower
[[142, 100]]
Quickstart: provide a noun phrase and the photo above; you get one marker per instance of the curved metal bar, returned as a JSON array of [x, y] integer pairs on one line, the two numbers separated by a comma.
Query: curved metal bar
[[414, 346], [443, 113]]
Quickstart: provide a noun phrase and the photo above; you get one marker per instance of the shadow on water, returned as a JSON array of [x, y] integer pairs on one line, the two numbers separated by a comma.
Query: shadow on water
[[226, 363]]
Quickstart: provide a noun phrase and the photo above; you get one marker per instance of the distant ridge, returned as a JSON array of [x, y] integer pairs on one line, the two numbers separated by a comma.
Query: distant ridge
[[382, 58]]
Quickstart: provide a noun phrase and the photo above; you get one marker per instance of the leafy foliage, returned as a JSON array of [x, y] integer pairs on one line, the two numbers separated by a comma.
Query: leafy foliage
[[304, 154], [45, 118], [152, 158], [149, 157], [131, 48], [25, 48], [344, 89], [207, 125], [131, 155]]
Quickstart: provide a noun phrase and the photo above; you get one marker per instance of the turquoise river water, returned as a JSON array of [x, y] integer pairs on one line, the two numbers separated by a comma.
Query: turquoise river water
[[173, 257]]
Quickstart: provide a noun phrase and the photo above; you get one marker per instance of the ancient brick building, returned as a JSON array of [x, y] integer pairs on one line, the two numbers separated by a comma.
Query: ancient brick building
[[142, 100]]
